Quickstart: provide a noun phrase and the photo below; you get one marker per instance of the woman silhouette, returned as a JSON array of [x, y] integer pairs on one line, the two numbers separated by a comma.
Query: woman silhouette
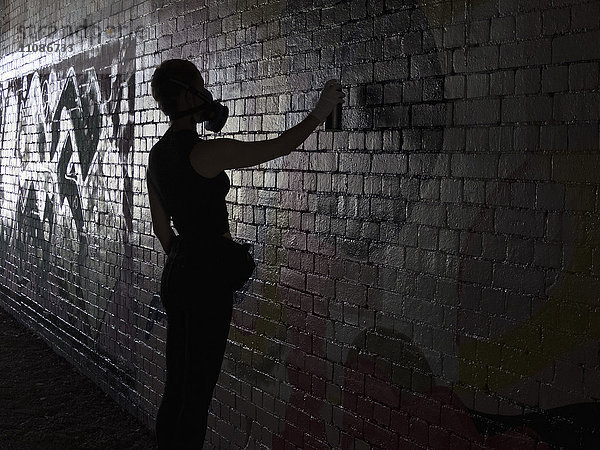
[[187, 183]]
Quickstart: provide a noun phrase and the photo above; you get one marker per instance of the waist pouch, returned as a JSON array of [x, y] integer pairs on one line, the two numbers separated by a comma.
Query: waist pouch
[[194, 266]]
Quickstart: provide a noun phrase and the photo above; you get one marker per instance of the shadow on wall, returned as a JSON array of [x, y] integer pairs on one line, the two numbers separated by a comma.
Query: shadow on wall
[[505, 246], [412, 100], [67, 196]]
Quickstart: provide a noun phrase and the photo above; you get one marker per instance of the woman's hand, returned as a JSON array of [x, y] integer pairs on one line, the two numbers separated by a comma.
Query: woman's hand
[[331, 95]]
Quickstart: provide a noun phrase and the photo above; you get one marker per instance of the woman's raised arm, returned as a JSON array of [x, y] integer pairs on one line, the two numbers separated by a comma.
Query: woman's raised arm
[[209, 158]]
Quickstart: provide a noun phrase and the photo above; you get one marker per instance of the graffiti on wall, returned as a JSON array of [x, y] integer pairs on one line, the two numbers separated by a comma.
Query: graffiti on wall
[[66, 171]]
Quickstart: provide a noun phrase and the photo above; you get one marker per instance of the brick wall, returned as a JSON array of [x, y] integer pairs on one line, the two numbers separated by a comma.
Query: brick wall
[[429, 276]]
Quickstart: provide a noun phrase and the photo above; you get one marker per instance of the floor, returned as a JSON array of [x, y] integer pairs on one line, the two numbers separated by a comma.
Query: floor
[[46, 404]]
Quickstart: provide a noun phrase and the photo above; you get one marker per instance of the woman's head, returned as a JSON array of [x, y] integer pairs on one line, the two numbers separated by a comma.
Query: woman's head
[[172, 97]]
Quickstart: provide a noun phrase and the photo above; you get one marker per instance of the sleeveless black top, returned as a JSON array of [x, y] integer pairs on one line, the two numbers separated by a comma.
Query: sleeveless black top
[[196, 204]]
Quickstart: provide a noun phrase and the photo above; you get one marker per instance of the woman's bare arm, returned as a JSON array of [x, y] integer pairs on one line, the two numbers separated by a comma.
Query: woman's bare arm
[[210, 158], [161, 222]]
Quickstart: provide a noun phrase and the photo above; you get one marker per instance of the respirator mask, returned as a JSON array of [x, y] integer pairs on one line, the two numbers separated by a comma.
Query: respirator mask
[[214, 114]]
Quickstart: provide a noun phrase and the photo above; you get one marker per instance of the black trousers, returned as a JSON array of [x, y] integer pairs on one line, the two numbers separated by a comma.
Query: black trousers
[[196, 338]]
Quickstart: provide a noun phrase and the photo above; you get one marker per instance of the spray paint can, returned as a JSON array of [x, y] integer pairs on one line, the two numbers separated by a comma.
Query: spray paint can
[[334, 120]]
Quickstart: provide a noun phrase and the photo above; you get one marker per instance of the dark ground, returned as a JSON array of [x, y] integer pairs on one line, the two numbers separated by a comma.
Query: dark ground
[[46, 404]]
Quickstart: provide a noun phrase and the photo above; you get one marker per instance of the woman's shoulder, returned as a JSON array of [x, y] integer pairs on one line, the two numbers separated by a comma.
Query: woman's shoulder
[[159, 145], [204, 158], [171, 142]]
